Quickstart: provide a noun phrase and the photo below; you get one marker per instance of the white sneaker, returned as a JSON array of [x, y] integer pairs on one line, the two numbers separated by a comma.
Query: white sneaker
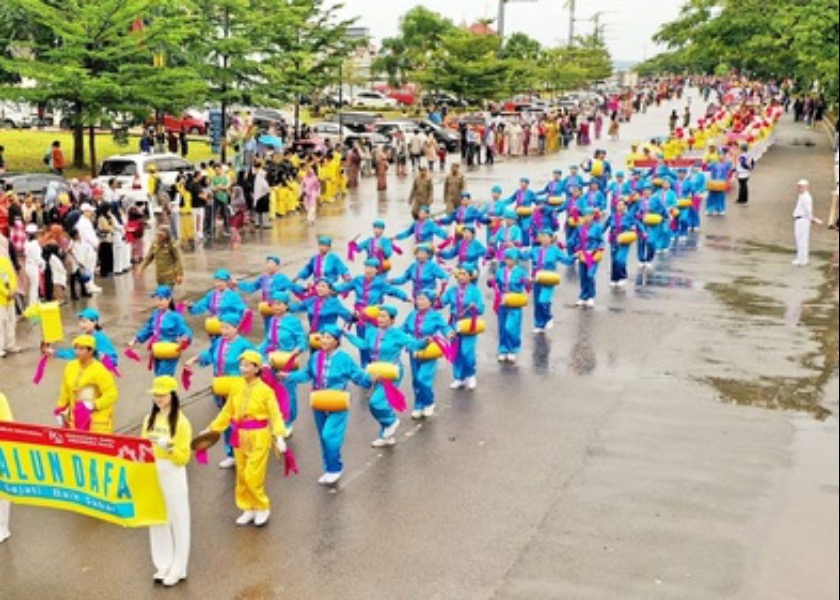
[[227, 462], [456, 385], [590, 303], [622, 282], [613, 284], [511, 358], [796, 263], [330, 478], [537, 330], [501, 358], [579, 302], [472, 383], [159, 576], [382, 442], [416, 414], [391, 429], [289, 431], [261, 517], [322, 479], [245, 518], [429, 410], [171, 580], [550, 324]]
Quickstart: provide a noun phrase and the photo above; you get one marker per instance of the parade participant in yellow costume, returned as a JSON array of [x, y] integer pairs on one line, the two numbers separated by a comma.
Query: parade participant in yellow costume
[[5, 505], [88, 391], [252, 413]]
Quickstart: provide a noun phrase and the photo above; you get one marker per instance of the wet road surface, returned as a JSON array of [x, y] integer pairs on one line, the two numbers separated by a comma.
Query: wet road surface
[[637, 451]]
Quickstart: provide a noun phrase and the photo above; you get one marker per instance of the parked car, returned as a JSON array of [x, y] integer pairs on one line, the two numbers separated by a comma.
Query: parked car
[[190, 124], [443, 98], [34, 183], [405, 95], [15, 117], [372, 99], [327, 130], [357, 121], [448, 138], [132, 173]]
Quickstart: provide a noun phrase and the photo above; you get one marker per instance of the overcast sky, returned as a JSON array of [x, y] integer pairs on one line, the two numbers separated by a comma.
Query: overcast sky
[[630, 24]]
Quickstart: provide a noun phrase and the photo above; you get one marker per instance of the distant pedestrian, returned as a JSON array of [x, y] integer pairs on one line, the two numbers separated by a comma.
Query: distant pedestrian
[[183, 142], [167, 258], [311, 189], [743, 168], [54, 158]]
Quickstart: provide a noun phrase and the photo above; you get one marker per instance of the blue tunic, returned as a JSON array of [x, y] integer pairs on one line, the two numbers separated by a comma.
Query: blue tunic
[[324, 266], [423, 275]]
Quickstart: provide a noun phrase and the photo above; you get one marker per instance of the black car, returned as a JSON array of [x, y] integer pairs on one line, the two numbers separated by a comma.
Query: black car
[[34, 183], [438, 99]]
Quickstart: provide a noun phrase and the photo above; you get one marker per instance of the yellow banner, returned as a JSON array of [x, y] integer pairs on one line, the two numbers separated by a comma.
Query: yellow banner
[[108, 477]]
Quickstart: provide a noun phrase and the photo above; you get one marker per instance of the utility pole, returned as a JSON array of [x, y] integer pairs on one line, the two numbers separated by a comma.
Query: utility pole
[[571, 5], [500, 20]]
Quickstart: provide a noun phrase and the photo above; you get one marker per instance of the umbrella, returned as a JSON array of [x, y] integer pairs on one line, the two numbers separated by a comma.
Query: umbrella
[[270, 140]]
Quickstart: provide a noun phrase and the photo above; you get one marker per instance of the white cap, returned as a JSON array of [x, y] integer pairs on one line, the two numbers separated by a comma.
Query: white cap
[[31, 228], [86, 207], [802, 182]]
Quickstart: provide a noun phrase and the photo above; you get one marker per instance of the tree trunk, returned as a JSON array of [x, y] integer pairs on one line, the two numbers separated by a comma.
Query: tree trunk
[[223, 149], [78, 137], [92, 145]]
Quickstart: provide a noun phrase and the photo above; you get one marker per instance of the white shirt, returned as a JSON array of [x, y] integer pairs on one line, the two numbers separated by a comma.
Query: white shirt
[[86, 232], [804, 206], [34, 257], [744, 165]]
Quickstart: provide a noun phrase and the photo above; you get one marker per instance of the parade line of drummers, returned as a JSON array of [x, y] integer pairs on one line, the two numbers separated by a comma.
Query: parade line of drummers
[[509, 250]]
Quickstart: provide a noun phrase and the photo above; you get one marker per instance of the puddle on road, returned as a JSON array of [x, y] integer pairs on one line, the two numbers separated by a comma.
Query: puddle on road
[[821, 316]]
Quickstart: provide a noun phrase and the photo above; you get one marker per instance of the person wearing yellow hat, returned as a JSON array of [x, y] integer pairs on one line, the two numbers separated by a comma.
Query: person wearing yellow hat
[[5, 505], [170, 433], [252, 414], [88, 391]]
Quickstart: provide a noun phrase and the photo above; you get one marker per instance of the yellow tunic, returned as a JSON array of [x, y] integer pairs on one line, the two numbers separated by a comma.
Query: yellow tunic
[[8, 282], [253, 401], [106, 393], [179, 452], [5, 409]]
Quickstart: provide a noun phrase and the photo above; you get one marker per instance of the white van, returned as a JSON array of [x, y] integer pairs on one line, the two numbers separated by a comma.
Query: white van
[[132, 173]]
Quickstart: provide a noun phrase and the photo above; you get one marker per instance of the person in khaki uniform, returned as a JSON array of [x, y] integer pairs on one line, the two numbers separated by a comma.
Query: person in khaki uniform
[[422, 191], [87, 382], [167, 258], [454, 185]]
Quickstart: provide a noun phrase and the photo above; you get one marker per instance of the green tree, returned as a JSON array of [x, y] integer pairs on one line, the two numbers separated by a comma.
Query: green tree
[[467, 65], [92, 58]]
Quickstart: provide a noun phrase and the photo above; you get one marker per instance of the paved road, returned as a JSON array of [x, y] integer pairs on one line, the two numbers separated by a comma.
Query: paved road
[[636, 452]]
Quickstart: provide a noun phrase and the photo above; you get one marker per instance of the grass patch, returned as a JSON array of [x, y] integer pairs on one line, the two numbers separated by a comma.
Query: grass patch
[[25, 149]]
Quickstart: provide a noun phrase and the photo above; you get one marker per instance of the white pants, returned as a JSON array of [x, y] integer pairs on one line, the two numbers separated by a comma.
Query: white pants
[[198, 221], [122, 255], [4, 518], [171, 542], [8, 319], [33, 282], [802, 233]]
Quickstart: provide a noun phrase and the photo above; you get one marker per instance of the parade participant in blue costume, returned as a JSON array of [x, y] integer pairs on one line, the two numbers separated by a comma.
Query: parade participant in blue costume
[[465, 214], [509, 278], [684, 193], [326, 264], [89, 325], [667, 198], [369, 289], [632, 188], [221, 300], [165, 325], [719, 170], [322, 308], [465, 248], [493, 214], [509, 234], [594, 197], [599, 169], [385, 343], [573, 179], [223, 354], [647, 243], [615, 190], [330, 369], [424, 230], [377, 246], [661, 170], [619, 222], [576, 206], [270, 281], [698, 187], [424, 323], [465, 303], [423, 273], [554, 187], [284, 333], [588, 244], [546, 256], [523, 199]]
